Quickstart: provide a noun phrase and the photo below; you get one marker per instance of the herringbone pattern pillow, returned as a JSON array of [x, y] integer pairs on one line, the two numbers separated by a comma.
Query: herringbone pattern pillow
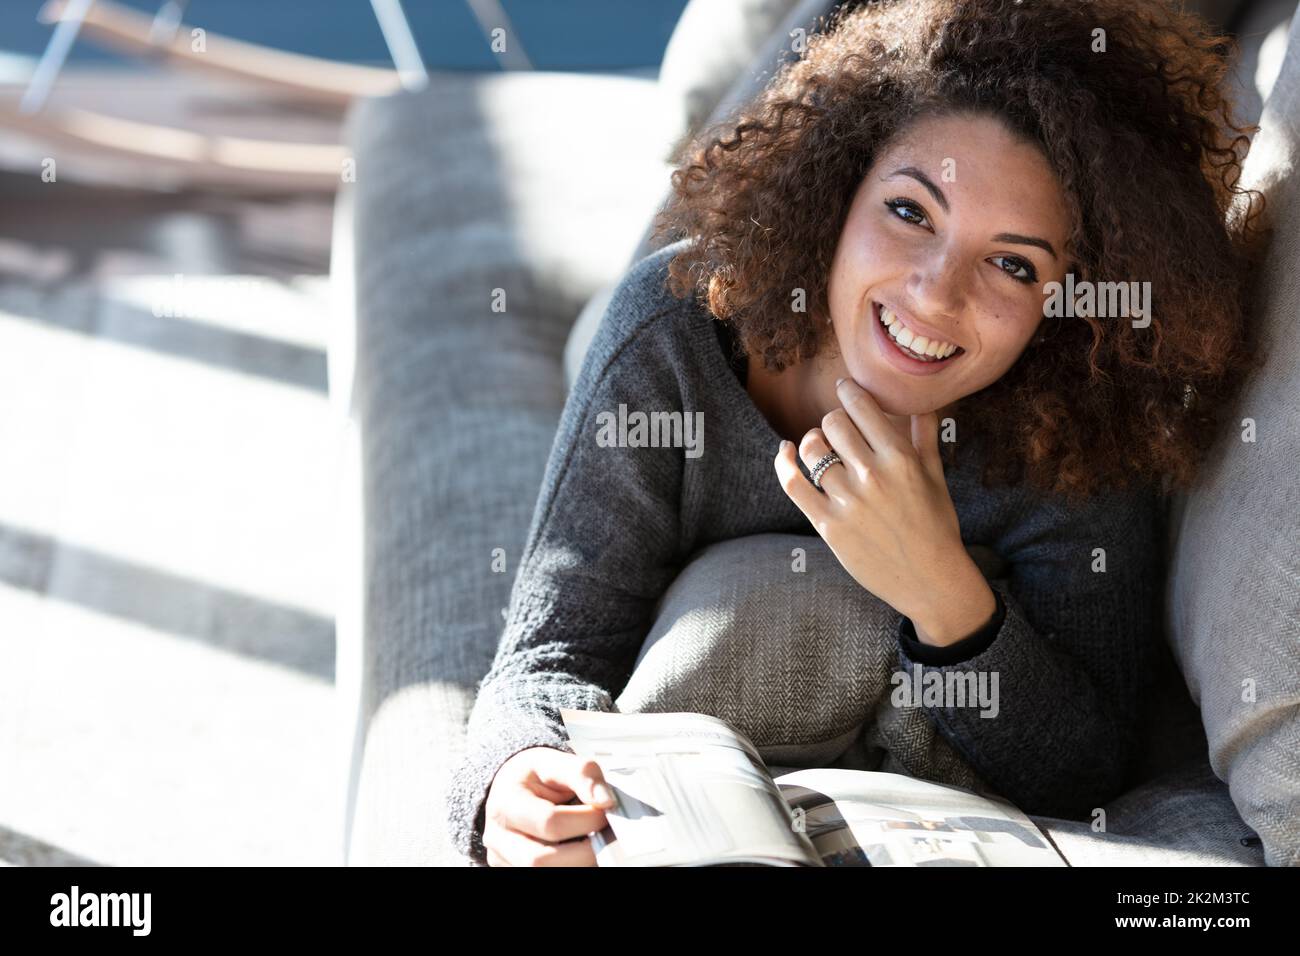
[[797, 660]]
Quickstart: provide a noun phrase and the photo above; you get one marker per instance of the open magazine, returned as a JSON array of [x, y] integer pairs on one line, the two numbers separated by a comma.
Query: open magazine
[[692, 791]]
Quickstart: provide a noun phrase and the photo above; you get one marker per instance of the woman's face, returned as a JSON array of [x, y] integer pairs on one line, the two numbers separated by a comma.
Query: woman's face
[[950, 238]]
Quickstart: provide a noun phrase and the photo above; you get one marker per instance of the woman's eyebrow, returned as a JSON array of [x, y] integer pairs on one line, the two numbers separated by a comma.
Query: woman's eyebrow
[[1026, 241], [925, 181], [939, 197]]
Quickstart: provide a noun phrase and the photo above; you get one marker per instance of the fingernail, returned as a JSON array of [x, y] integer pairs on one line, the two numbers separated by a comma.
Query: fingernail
[[839, 382], [784, 442], [602, 793]]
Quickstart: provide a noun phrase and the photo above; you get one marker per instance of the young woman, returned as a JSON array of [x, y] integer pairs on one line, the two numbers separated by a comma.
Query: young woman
[[873, 245]]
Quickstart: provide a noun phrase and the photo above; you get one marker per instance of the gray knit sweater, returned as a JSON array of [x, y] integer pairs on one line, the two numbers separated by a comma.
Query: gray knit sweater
[[614, 525]]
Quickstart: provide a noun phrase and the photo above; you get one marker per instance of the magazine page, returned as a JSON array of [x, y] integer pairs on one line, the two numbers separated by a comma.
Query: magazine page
[[866, 818], [691, 792]]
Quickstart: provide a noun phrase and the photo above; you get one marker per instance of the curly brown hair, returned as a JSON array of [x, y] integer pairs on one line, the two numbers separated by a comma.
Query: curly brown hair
[[1144, 143]]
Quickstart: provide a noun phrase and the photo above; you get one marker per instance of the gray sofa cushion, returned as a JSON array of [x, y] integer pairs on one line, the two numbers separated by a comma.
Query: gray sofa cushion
[[713, 42], [806, 15], [1234, 586], [721, 645], [1261, 31]]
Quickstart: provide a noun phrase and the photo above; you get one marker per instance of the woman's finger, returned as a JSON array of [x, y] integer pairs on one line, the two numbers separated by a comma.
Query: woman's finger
[[551, 822], [569, 773], [519, 849], [843, 435], [925, 439], [807, 498], [868, 416], [834, 477]]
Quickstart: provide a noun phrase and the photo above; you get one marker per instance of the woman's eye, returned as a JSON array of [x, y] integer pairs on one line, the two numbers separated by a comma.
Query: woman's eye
[[907, 211], [1018, 269]]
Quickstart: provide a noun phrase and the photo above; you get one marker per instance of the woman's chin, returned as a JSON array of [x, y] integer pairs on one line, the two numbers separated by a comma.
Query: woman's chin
[[892, 399]]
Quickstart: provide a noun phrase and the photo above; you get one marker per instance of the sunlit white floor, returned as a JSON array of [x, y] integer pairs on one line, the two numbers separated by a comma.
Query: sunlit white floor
[[167, 486]]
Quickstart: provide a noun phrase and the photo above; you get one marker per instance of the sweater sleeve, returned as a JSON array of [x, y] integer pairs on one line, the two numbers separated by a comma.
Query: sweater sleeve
[[1079, 611], [958, 651], [600, 551]]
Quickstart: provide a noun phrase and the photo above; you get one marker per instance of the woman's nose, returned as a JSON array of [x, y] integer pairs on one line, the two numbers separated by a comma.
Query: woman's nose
[[937, 287]]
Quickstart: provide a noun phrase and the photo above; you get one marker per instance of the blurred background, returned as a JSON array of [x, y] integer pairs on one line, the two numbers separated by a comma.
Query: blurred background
[[167, 472], [576, 35]]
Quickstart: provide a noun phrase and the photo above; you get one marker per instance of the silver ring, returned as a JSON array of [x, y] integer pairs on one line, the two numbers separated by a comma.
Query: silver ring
[[818, 469]]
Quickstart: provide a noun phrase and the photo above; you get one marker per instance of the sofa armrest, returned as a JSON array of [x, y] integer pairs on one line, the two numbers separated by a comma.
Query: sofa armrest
[[486, 210]]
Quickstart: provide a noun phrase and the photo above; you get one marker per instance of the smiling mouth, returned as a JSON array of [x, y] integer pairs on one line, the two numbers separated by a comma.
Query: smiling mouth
[[898, 332]]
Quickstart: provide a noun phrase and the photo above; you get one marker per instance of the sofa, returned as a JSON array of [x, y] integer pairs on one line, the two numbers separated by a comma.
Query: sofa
[[490, 218]]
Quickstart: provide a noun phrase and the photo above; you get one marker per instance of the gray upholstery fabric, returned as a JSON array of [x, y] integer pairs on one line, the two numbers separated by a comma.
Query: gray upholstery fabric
[[713, 42], [721, 643], [806, 15], [471, 186], [1262, 32], [1234, 589], [1181, 818]]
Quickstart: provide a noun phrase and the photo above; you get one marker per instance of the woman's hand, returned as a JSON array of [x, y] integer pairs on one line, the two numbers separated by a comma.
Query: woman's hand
[[887, 515], [527, 820]]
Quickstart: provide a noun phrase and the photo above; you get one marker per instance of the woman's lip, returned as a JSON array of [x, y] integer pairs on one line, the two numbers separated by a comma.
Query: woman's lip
[[889, 349]]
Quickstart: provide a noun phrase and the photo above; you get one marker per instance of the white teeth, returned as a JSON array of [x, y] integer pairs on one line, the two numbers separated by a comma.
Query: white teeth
[[912, 342]]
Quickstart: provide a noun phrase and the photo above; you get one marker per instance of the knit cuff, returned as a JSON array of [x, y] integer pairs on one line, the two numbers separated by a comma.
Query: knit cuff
[[968, 647], [469, 784]]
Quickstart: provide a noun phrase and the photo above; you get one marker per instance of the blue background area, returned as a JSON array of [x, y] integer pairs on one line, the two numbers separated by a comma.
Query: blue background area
[[556, 34]]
